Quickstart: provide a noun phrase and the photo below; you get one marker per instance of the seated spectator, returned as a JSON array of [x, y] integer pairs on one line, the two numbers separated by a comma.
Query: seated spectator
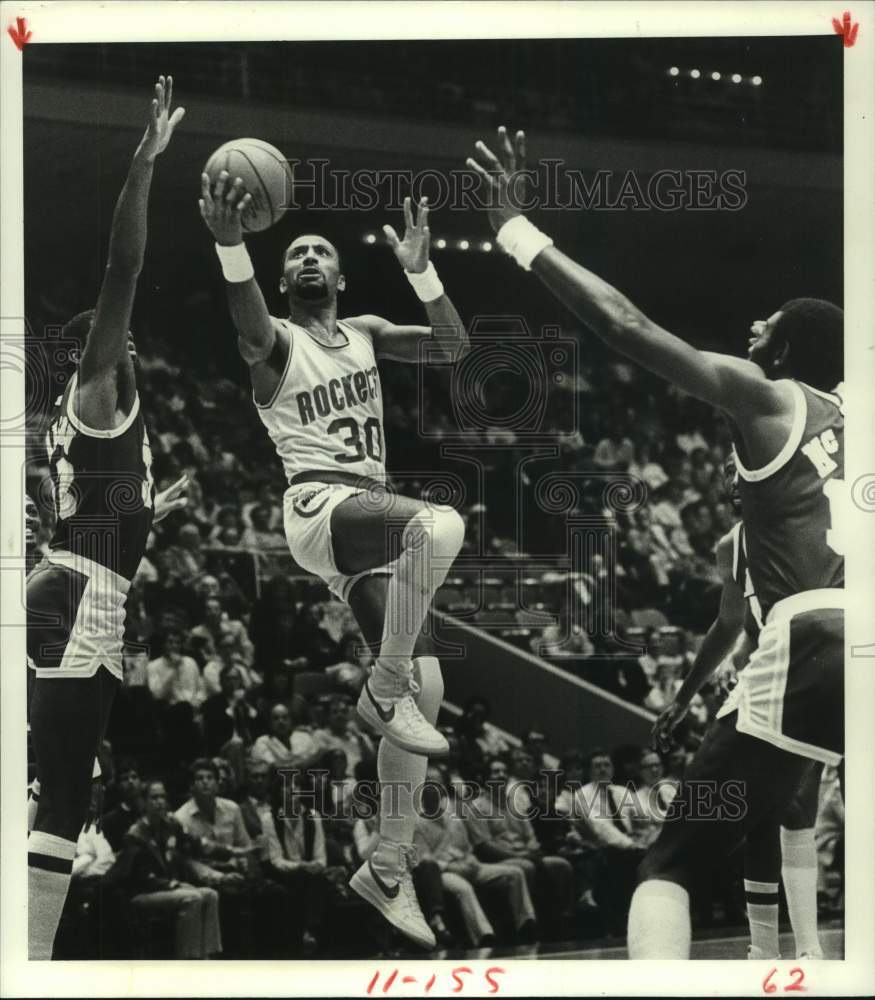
[[296, 856], [228, 716], [310, 639], [442, 836], [603, 815], [480, 741], [655, 795], [174, 678], [289, 742], [227, 519], [116, 823], [156, 867], [252, 905], [217, 624], [499, 833], [185, 561], [665, 687], [351, 671], [342, 733], [226, 654], [259, 536]]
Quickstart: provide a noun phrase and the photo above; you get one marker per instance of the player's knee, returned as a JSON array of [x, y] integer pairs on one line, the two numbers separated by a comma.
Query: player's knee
[[443, 527]]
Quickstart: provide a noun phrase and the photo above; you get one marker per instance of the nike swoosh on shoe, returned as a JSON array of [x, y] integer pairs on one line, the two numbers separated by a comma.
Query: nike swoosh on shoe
[[387, 715], [389, 891]]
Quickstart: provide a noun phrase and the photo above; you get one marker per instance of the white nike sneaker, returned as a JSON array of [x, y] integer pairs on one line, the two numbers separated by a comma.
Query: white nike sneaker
[[397, 902], [402, 723]]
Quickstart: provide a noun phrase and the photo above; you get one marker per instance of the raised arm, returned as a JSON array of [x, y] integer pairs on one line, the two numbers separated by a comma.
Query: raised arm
[[222, 211], [106, 378], [445, 329], [737, 386], [718, 643]]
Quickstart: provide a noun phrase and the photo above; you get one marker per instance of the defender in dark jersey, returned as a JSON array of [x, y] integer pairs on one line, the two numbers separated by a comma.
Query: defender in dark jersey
[[788, 437], [781, 847], [104, 504]]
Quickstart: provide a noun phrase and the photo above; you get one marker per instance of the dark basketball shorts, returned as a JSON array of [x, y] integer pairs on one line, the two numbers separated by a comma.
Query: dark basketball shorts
[[75, 617], [791, 693]]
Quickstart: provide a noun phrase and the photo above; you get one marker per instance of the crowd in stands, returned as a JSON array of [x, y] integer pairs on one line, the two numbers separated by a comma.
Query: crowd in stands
[[240, 788]]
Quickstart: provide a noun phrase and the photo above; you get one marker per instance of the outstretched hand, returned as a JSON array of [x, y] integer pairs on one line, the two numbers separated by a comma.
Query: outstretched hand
[[668, 720], [503, 179], [161, 122], [170, 499], [223, 211], [412, 251]]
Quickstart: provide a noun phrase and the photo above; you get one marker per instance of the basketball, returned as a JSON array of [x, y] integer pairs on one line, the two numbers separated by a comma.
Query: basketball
[[265, 173]]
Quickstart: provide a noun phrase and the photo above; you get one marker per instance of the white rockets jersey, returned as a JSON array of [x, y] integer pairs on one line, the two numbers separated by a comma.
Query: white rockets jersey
[[327, 411]]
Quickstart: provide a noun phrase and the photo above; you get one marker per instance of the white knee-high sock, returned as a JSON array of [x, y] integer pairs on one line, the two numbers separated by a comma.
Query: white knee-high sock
[[659, 921], [799, 874], [32, 803], [402, 773], [49, 863], [762, 917], [432, 540]]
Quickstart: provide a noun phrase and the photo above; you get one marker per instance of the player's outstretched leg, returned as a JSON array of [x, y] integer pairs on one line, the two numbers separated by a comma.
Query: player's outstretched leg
[[750, 782], [799, 863], [431, 539], [384, 880], [762, 870], [68, 719]]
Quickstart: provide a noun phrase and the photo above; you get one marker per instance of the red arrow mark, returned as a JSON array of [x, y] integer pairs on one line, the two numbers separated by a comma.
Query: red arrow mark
[[20, 35], [847, 30]]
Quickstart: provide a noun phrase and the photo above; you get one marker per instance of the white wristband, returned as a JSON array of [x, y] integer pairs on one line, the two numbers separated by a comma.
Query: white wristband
[[426, 284], [523, 241], [236, 265]]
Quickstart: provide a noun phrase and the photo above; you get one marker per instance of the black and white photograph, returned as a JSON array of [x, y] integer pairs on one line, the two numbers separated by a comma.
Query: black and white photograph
[[424, 498]]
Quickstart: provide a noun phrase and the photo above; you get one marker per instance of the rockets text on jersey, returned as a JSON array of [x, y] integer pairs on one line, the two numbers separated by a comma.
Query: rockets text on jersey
[[102, 487], [327, 411], [792, 507]]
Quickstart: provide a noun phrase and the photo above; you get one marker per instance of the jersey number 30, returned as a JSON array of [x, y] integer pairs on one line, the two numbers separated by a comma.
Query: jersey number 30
[[361, 440]]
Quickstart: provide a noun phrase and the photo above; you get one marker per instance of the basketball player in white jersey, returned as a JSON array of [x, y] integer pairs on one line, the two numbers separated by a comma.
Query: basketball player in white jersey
[[317, 389]]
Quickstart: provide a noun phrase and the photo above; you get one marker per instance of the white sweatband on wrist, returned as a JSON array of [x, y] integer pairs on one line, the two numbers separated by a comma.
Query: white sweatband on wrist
[[236, 265], [523, 241], [426, 284]]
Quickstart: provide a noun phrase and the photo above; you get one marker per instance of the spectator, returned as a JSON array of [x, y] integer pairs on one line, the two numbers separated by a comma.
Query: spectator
[[252, 905], [289, 742], [228, 716], [341, 733], [94, 856], [480, 741], [351, 671], [442, 836], [310, 639], [184, 561], [603, 814], [654, 796], [174, 678], [117, 821], [501, 834], [259, 536], [156, 864], [226, 655], [217, 625]]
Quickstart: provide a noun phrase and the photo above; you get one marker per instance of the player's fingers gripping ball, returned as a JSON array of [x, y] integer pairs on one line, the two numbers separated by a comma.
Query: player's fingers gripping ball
[[265, 174]]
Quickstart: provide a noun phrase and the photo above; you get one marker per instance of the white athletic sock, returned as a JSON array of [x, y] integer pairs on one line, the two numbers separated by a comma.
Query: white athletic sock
[[402, 773], [659, 921], [762, 917], [32, 803], [49, 863], [431, 540], [799, 874]]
